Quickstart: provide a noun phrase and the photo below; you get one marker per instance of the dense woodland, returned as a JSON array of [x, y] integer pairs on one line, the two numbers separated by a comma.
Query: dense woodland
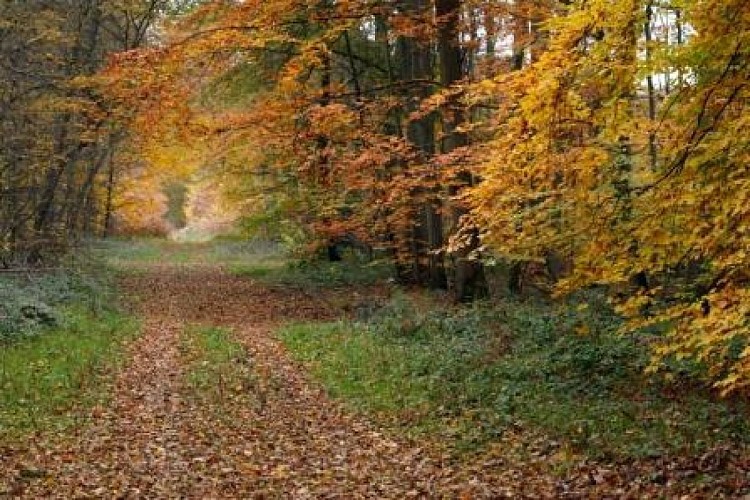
[[518, 224], [569, 144]]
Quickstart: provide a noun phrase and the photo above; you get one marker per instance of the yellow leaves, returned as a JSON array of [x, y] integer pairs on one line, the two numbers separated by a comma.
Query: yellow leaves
[[578, 164], [709, 331], [173, 161], [582, 330], [563, 155]]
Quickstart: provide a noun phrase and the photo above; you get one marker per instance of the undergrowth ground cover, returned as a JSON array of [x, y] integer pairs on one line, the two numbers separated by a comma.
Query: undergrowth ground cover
[[265, 262], [131, 253], [314, 274], [61, 338], [549, 390], [352, 270], [465, 376]]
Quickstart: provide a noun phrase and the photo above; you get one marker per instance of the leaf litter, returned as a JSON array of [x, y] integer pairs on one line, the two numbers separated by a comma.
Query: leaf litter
[[281, 436]]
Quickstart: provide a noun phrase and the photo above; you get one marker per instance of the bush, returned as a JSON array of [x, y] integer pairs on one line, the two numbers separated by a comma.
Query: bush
[[31, 301]]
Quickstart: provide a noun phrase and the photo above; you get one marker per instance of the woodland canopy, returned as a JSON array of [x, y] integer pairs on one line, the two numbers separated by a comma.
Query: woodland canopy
[[565, 145]]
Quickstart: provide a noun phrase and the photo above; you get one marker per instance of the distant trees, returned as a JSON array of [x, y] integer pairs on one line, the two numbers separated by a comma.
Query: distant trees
[[359, 112], [57, 131]]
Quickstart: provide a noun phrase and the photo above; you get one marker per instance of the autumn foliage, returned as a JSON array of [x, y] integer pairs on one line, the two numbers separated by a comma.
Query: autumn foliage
[[60, 132], [625, 150], [604, 143]]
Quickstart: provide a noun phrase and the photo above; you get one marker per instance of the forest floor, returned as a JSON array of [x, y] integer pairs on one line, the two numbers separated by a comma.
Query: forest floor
[[210, 404]]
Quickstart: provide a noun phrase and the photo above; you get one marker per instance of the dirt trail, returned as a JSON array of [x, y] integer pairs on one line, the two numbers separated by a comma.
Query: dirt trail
[[155, 441]]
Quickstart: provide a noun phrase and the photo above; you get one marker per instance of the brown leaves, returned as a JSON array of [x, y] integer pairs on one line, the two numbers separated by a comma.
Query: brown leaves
[[283, 436]]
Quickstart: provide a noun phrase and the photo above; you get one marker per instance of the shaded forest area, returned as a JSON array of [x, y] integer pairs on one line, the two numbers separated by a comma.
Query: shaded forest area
[[557, 145], [549, 197], [58, 133]]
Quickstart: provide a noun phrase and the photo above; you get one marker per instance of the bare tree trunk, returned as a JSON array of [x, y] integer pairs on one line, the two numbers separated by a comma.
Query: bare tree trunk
[[469, 281], [415, 60], [652, 152], [109, 203]]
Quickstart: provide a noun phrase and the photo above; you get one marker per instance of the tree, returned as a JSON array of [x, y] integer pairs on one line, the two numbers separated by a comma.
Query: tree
[[59, 131], [640, 187], [593, 132]]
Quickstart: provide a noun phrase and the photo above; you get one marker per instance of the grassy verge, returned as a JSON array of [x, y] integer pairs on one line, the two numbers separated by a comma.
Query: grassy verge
[[263, 261], [131, 254], [45, 377], [218, 370], [467, 376], [61, 339]]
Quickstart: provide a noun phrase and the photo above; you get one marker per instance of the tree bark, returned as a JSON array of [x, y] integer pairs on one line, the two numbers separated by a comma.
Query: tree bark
[[415, 60], [469, 282]]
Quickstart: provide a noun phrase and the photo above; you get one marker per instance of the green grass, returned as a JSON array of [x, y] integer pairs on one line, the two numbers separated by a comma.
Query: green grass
[[218, 366], [130, 254], [263, 261], [123, 254], [45, 377], [267, 268], [61, 339], [140, 250], [467, 376]]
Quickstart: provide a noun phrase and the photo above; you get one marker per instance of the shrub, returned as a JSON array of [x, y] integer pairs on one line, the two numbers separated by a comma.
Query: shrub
[[32, 301], [467, 374]]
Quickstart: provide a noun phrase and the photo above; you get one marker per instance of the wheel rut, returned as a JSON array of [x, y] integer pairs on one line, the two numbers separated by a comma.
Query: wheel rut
[[155, 441]]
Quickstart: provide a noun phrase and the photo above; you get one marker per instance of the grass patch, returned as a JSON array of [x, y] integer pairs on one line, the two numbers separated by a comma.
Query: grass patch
[[218, 368], [264, 261], [130, 254], [119, 251], [45, 377], [125, 254], [61, 339], [264, 269], [466, 376]]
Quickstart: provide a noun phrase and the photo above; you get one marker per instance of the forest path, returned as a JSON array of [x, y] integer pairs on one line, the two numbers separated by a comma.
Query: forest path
[[286, 439]]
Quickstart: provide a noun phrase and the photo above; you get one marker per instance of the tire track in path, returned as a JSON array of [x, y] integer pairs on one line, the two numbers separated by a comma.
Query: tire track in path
[[154, 441]]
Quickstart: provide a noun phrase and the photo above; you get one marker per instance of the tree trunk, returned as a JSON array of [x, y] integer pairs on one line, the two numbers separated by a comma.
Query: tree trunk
[[468, 273], [416, 65]]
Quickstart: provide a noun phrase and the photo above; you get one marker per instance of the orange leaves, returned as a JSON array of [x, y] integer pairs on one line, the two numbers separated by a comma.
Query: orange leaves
[[573, 154], [335, 121]]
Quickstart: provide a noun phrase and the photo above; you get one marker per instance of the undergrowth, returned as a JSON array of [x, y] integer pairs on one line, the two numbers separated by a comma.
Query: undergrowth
[[467, 375], [126, 254], [61, 337], [350, 271], [32, 301], [263, 261]]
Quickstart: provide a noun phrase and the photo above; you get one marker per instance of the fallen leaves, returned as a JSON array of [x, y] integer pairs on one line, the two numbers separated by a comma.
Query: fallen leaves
[[283, 436]]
